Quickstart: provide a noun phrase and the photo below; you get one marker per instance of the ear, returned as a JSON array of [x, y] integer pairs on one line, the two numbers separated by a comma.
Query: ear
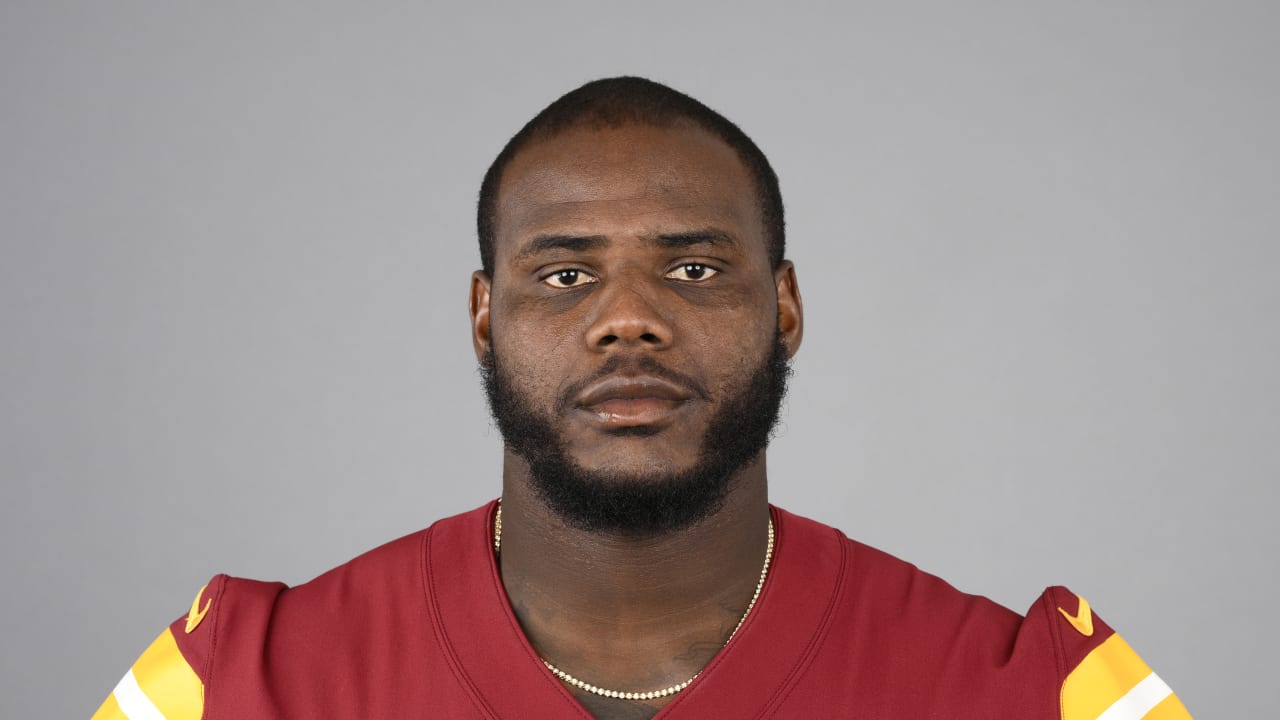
[[478, 306], [790, 307]]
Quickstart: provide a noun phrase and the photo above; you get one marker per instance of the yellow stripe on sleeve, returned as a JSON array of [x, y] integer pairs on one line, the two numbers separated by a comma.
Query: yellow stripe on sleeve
[[1104, 676], [168, 681], [110, 710], [1170, 708], [160, 685]]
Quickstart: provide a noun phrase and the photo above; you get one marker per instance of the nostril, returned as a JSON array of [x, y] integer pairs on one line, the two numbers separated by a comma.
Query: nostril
[[608, 340], [649, 338]]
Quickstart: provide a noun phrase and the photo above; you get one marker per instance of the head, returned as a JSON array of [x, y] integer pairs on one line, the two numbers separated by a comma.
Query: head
[[635, 316]]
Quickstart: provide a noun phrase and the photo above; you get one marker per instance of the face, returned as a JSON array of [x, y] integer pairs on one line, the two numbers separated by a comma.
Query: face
[[634, 335]]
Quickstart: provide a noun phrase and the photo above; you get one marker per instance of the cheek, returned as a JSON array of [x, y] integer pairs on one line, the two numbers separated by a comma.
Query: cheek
[[533, 351], [729, 347]]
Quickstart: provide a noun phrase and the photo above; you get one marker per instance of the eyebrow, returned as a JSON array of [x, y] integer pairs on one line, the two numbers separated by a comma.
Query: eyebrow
[[578, 243], [709, 236], [545, 243]]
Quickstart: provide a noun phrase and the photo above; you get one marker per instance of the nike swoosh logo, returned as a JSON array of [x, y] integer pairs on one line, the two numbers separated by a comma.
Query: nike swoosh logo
[[1082, 620], [197, 613]]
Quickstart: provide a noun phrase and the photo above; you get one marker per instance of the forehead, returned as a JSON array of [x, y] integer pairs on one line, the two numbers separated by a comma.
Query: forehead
[[624, 181]]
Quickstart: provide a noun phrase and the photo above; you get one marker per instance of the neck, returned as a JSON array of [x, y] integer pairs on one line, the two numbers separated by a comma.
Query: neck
[[631, 613]]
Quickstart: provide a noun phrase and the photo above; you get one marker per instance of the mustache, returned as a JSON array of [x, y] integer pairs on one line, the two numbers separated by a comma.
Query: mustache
[[642, 364]]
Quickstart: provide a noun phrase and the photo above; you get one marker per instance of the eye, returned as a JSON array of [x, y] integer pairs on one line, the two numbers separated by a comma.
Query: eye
[[692, 272], [568, 279]]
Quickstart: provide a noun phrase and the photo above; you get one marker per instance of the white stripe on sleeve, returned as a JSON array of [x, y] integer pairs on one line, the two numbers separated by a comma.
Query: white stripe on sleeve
[[1139, 701], [133, 702]]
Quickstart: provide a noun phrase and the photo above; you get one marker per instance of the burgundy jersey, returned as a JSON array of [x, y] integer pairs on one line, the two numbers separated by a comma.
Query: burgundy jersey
[[421, 628]]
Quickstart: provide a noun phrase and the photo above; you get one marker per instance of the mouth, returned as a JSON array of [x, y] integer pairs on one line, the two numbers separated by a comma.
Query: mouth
[[627, 402]]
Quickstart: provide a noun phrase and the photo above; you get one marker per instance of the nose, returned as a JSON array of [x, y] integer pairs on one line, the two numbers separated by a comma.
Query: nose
[[626, 317]]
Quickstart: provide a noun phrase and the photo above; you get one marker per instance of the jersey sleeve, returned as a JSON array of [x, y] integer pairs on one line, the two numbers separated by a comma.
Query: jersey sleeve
[[167, 681], [1102, 677], [179, 677]]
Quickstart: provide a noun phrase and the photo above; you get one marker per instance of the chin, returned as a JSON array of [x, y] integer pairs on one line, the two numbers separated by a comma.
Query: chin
[[664, 440], [637, 472]]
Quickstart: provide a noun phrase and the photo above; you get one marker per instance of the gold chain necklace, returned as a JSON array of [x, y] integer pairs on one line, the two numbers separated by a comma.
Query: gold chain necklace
[[652, 694]]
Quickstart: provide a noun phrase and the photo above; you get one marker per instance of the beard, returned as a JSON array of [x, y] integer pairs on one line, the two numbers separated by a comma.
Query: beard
[[640, 504]]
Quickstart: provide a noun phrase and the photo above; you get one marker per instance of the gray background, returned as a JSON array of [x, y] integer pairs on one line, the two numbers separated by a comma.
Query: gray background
[[1037, 245]]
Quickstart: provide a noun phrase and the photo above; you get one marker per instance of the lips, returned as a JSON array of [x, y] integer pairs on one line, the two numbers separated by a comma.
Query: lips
[[632, 401]]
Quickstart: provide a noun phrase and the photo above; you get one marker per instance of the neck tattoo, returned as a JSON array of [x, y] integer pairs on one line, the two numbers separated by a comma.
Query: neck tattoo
[[652, 694]]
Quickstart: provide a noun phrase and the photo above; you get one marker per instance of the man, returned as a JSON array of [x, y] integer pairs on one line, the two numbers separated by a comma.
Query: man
[[634, 321]]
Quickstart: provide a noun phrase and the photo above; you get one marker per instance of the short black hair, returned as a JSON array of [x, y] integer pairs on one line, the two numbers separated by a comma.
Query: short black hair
[[613, 102]]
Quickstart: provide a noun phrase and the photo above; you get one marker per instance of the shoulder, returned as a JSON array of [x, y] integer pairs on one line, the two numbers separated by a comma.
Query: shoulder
[[877, 584], [246, 646], [375, 595], [909, 643]]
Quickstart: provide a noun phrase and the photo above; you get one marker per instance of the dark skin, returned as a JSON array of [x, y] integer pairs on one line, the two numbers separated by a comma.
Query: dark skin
[[625, 242]]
